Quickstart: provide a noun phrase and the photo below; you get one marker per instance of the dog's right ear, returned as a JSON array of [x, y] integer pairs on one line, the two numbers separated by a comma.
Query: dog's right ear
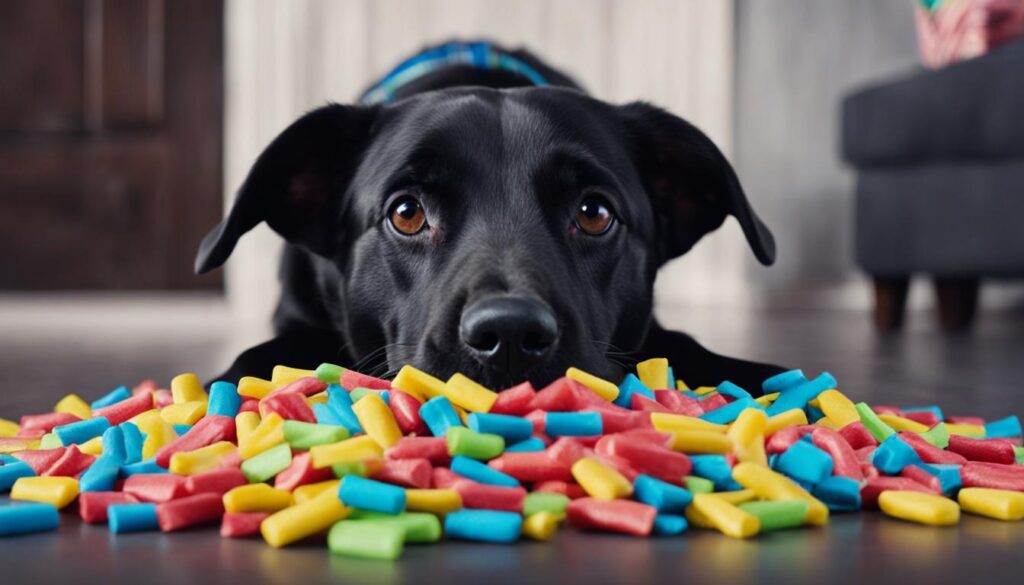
[[297, 184]]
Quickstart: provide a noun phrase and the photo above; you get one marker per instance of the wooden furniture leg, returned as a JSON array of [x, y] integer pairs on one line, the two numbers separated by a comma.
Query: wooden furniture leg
[[890, 300], [958, 302]]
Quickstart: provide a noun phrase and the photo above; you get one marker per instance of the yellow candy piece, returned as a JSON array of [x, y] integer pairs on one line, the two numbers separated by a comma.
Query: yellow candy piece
[[540, 526], [435, 501], [59, 491], [8, 428], [600, 481], [919, 507], [184, 413], [462, 391], [93, 446], [736, 497], [351, 450], [669, 422], [697, 519], [187, 388], [899, 423], [253, 387], [202, 459], [701, 442], [795, 416], [827, 423], [702, 390], [245, 423], [767, 399], [463, 414], [727, 518], [599, 386], [257, 497], [417, 383], [73, 404], [747, 434], [838, 407], [301, 520], [769, 485], [653, 373], [158, 433], [307, 492], [283, 375], [13, 445], [377, 419], [681, 385], [965, 429], [320, 398], [993, 503], [269, 433]]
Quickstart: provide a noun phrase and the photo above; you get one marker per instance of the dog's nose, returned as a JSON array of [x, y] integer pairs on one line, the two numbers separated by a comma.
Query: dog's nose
[[509, 333]]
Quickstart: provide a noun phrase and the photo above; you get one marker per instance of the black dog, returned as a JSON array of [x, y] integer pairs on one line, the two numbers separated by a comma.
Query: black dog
[[489, 218]]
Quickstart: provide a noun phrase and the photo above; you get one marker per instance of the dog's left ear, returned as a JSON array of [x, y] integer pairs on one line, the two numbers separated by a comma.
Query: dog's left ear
[[691, 184], [297, 184]]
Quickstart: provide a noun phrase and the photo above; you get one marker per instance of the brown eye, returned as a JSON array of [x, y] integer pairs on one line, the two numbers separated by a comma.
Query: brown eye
[[407, 216], [594, 217]]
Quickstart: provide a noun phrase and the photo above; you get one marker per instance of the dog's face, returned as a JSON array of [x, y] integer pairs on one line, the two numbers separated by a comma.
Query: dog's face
[[505, 234]]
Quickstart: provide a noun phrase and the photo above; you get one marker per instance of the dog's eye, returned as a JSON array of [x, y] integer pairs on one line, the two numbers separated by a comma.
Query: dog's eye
[[594, 217], [407, 216]]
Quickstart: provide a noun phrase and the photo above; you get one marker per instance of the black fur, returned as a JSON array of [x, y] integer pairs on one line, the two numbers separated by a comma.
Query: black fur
[[501, 167]]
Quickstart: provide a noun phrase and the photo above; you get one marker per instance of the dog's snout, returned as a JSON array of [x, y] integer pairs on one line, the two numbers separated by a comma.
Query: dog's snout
[[509, 333]]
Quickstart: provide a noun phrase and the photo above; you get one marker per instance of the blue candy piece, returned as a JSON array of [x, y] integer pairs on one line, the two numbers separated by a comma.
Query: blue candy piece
[[81, 431], [385, 396], [341, 403], [224, 399], [512, 428], [814, 414], [949, 475], [840, 494], [669, 524], [113, 444], [26, 518], [798, 396], [629, 386], [483, 525], [440, 415], [142, 467], [133, 441], [1003, 428], [715, 468], [368, 494], [728, 413], [481, 472], [671, 379], [5, 458], [893, 455], [101, 475], [933, 409], [12, 472], [773, 460], [113, 397], [805, 463], [691, 394], [181, 429], [731, 390], [132, 518], [783, 381], [529, 445], [662, 495], [573, 424]]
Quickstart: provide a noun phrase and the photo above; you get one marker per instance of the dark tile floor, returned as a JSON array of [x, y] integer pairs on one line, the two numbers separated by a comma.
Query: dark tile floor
[[46, 354]]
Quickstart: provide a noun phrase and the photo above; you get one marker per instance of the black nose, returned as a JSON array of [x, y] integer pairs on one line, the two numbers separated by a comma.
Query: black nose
[[509, 333]]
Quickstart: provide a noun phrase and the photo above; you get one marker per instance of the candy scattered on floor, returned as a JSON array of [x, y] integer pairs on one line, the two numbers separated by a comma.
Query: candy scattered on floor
[[378, 464]]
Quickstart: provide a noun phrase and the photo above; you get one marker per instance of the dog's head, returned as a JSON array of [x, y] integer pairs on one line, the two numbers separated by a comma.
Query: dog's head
[[501, 233]]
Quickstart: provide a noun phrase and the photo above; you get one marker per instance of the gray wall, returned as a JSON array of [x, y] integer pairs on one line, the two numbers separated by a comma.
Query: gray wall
[[795, 59]]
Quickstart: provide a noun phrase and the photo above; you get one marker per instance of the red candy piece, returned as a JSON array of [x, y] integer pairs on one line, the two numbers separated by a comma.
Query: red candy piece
[[966, 420], [301, 472], [92, 506], [291, 406], [922, 477], [646, 457], [623, 516], [411, 473], [301, 387], [925, 417], [869, 470], [209, 430], [433, 449], [568, 489], [559, 396], [619, 464], [155, 487], [70, 464], [40, 459], [241, 524], [870, 491], [615, 421], [537, 418], [190, 511], [490, 497], [566, 451], [351, 379], [162, 398], [46, 422], [991, 450], [145, 387], [780, 441], [250, 405], [678, 402], [531, 466], [515, 401], [992, 475], [930, 453], [407, 413], [887, 409], [844, 460], [120, 412], [865, 454], [857, 435], [712, 402], [216, 481], [443, 478], [645, 404], [651, 436]]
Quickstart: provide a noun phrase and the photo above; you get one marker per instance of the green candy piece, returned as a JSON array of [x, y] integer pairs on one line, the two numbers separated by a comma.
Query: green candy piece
[[1019, 451], [303, 435], [268, 463], [50, 441], [357, 393], [419, 527], [357, 468], [876, 426], [366, 539], [937, 435], [469, 443], [329, 373], [545, 502], [699, 485], [777, 515]]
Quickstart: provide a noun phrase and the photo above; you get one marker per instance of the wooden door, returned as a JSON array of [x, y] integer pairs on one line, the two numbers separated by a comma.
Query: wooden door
[[110, 142]]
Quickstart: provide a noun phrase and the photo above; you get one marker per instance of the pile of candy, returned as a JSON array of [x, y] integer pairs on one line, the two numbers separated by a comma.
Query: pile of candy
[[377, 464]]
